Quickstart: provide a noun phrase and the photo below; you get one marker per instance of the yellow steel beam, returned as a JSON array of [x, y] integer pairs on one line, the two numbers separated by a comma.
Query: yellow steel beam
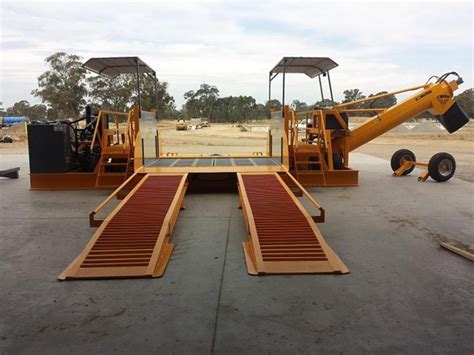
[[371, 98], [427, 99]]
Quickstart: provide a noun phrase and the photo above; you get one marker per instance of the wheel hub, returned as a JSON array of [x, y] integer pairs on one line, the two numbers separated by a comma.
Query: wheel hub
[[405, 158], [445, 167]]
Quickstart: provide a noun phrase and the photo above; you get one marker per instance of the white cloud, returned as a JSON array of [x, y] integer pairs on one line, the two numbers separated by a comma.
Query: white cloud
[[233, 46]]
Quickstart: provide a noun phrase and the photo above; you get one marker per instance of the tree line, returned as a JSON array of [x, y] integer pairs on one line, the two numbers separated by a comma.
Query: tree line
[[65, 89]]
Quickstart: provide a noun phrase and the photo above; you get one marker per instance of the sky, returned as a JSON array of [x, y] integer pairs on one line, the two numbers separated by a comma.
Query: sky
[[233, 45]]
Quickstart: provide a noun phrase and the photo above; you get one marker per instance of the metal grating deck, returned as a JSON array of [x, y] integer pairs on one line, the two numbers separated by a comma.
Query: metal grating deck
[[283, 236], [134, 240], [207, 162]]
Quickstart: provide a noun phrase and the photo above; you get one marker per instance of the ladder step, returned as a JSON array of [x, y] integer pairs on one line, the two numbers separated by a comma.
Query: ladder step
[[122, 173], [310, 172], [114, 156]]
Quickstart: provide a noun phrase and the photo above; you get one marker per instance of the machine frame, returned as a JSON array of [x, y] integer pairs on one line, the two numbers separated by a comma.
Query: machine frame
[[283, 237], [319, 158]]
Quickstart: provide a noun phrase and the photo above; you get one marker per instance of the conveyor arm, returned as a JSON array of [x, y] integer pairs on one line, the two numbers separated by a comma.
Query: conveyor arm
[[436, 98]]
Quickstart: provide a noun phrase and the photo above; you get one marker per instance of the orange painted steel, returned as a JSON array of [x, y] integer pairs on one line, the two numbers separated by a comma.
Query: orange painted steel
[[212, 169], [321, 157], [134, 240], [283, 237], [63, 181]]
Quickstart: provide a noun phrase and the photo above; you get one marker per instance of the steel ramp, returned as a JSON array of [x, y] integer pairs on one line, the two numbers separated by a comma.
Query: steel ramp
[[283, 237], [133, 241]]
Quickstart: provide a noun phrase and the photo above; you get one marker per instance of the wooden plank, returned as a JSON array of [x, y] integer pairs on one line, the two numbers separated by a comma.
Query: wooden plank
[[464, 253]]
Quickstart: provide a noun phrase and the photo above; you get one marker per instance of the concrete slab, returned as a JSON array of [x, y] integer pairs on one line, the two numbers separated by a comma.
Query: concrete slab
[[42, 315], [404, 294]]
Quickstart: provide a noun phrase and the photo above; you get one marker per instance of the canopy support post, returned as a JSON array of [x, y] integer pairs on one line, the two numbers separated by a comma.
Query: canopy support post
[[156, 95], [330, 86], [283, 93], [269, 94], [138, 88], [321, 88]]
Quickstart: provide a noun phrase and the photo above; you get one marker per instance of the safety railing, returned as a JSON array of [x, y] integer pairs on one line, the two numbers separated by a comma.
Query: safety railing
[[96, 223], [322, 213], [120, 120]]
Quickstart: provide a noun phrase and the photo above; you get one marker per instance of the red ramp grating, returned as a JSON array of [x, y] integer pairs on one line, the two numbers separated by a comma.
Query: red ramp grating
[[133, 241], [283, 237]]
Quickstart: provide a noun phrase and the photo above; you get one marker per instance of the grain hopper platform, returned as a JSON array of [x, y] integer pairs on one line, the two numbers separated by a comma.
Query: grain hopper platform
[[302, 148]]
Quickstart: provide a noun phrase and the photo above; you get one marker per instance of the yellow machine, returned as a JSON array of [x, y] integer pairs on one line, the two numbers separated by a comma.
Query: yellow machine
[[321, 156], [318, 156], [135, 239], [181, 125]]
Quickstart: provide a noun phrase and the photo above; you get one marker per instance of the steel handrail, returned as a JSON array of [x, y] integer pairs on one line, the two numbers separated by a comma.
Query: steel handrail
[[375, 97], [99, 122], [96, 130], [322, 212], [95, 223]]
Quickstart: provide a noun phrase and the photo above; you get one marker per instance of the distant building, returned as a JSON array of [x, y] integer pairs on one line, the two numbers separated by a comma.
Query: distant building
[[8, 121]]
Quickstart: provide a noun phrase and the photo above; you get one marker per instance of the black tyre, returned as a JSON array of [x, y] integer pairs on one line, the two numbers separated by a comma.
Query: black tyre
[[6, 139], [399, 156], [441, 167], [338, 161]]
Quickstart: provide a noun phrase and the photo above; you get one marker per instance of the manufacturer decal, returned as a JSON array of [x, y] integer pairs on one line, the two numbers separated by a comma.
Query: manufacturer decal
[[443, 99], [423, 95]]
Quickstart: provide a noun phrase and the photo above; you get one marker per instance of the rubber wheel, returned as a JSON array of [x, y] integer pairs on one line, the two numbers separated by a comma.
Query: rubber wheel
[[338, 161], [7, 139], [441, 167], [399, 156]]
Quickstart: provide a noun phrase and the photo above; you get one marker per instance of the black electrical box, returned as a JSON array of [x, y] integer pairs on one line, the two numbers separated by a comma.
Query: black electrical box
[[51, 148], [454, 118]]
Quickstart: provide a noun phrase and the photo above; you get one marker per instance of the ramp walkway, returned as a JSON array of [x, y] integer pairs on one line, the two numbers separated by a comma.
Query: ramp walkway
[[133, 241], [283, 237]]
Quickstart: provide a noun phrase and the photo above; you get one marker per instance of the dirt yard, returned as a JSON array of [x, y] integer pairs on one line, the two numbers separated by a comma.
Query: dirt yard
[[218, 139], [18, 133], [229, 139]]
